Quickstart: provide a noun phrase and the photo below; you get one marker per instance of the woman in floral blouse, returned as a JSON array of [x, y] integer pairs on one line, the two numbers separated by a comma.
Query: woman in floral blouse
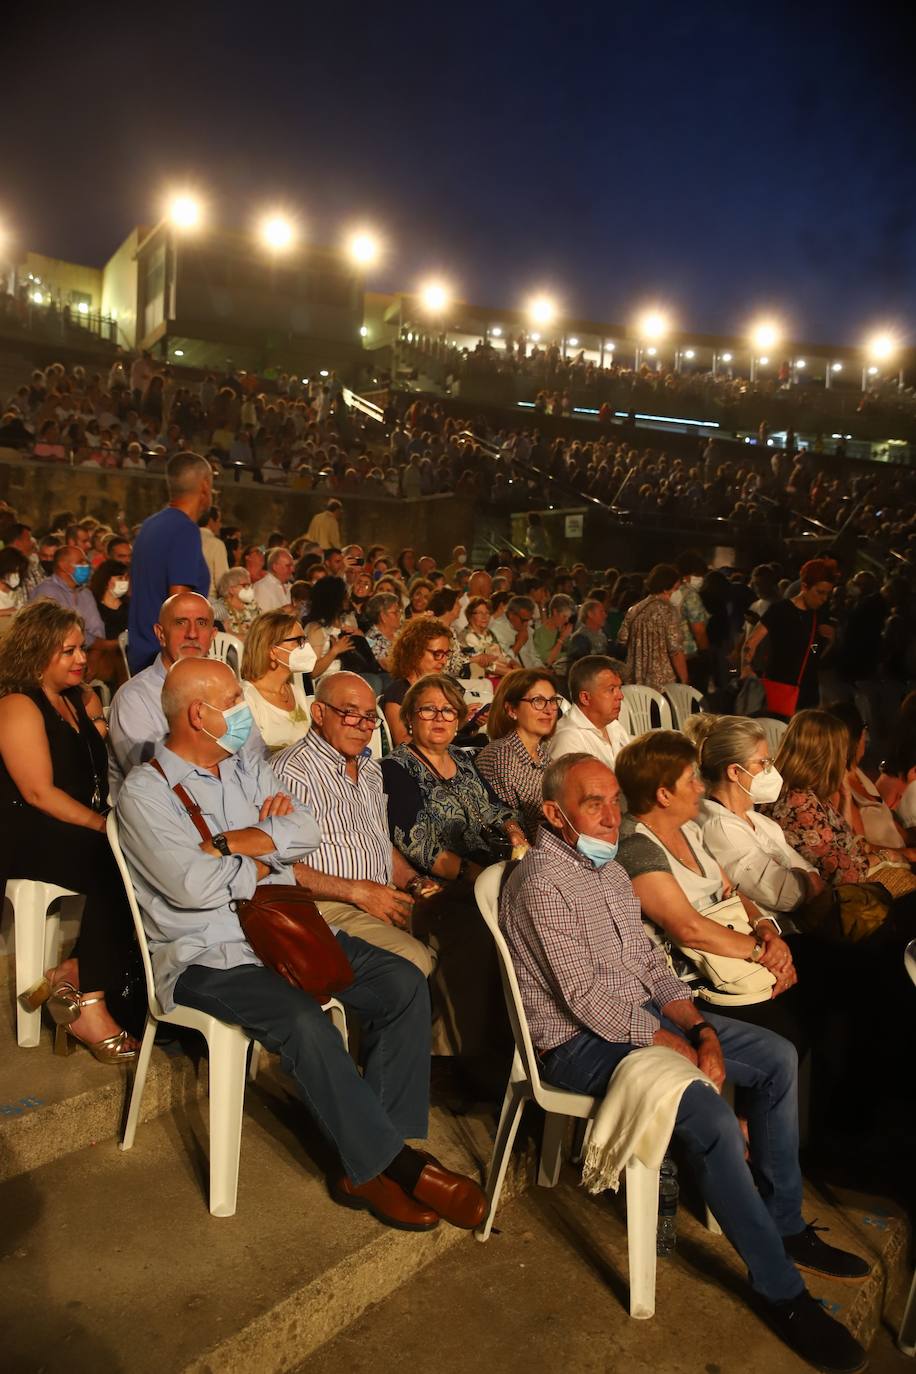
[[812, 761]]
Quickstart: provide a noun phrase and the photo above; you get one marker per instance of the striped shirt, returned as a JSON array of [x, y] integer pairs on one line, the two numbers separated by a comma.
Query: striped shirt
[[352, 816], [515, 777], [579, 949]]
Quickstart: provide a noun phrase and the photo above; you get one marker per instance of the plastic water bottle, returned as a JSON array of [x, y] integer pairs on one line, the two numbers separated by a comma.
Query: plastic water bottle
[[666, 1236]]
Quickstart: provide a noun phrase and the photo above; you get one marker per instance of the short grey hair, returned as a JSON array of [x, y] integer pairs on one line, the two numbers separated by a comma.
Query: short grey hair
[[556, 773], [184, 473], [518, 604], [274, 554], [561, 602], [230, 579], [378, 604]]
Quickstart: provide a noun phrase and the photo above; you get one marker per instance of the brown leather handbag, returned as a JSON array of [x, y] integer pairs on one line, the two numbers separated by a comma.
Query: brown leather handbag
[[284, 927]]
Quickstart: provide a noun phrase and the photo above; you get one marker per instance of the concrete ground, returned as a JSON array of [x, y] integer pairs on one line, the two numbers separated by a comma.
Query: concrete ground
[[548, 1292]]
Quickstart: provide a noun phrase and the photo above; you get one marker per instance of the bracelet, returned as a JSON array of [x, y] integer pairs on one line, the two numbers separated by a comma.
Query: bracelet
[[756, 952]]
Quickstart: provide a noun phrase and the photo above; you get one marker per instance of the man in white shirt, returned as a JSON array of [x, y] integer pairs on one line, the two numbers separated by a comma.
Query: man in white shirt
[[214, 550], [512, 631], [592, 724], [272, 592]]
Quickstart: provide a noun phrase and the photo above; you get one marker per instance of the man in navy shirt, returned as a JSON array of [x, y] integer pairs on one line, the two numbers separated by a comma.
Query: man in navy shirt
[[168, 557]]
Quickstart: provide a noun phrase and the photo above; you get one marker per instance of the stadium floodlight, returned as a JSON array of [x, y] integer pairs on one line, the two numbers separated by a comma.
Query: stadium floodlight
[[364, 247], [881, 347], [435, 297], [185, 211], [765, 334], [653, 324], [542, 310], [836, 367], [277, 232]]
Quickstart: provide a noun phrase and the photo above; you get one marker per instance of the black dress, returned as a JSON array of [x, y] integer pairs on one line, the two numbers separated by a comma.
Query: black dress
[[35, 845]]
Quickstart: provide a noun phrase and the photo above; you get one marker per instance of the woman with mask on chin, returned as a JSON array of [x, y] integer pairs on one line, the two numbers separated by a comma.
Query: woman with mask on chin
[[234, 606], [276, 651]]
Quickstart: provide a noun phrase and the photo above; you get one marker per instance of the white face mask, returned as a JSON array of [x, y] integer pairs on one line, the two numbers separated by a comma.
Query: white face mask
[[462, 558], [765, 787], [12, 581], [246, 595], [301, 659], [119, 587]]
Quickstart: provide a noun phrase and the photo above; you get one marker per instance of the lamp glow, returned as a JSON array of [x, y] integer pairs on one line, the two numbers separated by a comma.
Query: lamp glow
[[610, 346], [726, 357], [836, 367], [83, 308], [573, 343], [765, 335], [277, 232], [800, 362], [542, 310], [872, 371], [689, 354], [364, 247], [435, 297], [881, 347], [535, 338], [653, 324], [763, 361], [496, 332], [185, 211], [38, 298], [651, 352]]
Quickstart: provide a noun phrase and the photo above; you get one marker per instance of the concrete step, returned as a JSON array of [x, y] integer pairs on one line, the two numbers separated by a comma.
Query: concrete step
[[50, 1107], [111, 1260], [549, 1291]]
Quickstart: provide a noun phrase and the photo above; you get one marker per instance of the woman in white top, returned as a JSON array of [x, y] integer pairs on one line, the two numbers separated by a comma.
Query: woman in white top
[[276, 651], [860, 801], [752, 849], [324, 630]]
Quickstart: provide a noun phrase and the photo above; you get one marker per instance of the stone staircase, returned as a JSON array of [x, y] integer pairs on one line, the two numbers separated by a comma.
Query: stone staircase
[[111, 1260]]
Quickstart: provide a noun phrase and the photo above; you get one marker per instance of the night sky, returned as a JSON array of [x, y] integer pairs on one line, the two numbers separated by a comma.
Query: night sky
[[718, 158]]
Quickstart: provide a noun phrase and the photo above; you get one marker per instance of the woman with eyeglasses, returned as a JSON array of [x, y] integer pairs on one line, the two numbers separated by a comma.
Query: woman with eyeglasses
[[422, 646], [449, 825], [522, 719], [276, 652]]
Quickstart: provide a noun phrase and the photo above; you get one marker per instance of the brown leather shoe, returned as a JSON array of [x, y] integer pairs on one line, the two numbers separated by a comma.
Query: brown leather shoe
[[386, 1201], [457, 1198]]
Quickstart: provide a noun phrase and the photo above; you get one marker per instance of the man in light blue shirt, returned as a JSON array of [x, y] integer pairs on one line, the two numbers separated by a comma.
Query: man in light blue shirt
[[136, 721], [186, 887], [67, 585]]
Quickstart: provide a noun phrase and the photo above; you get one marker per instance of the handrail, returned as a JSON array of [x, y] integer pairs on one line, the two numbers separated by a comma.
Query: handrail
[[360, 403]]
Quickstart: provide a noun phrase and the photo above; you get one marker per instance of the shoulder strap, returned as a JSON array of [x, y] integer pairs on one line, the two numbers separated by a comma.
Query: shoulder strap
[[188, 802], [808, 650]]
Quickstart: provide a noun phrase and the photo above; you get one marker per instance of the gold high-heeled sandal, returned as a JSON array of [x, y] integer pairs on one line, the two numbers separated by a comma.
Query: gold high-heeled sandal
[[61, 999], [36, 996], [114, 1049]]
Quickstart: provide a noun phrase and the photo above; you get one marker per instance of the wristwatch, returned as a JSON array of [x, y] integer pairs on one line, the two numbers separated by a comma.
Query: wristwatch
[[222, 844], [692, 1033]]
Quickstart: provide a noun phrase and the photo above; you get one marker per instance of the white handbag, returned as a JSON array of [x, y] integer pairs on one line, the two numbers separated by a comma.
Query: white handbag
[[729, 981]]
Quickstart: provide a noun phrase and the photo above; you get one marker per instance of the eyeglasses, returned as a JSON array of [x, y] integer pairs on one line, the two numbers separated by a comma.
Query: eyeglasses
[[299, 640], [437, 713], [542, 703], [439, 654], [352, 717]]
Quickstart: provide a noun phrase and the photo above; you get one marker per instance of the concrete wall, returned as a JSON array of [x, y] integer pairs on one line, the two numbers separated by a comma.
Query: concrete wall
[[432, 525], [60, 278], [119, 288]]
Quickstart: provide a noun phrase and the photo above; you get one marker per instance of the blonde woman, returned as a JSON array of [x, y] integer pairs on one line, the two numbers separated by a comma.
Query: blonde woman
[[275, 651]]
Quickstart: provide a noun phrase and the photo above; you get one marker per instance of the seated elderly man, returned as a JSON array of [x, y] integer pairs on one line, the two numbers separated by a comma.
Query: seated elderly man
[[595, 988], [359, 880], [186, 890], [136, 721], [592, 723], [513, 631]]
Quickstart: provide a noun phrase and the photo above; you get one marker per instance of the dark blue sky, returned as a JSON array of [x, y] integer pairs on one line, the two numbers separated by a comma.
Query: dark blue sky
[[721, 158]]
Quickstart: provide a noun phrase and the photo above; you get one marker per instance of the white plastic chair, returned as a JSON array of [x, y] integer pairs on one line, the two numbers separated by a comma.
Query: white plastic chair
[[477, 690], [122, 645], [228, 649], [37, 937], [640, 702], [525, 1085], [684, 701], [906, 1337], [228, 1052], [774, 730]]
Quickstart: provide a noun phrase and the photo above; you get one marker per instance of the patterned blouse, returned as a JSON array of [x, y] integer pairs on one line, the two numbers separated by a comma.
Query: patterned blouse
[[819, 833], [515, 777], [427, 814], [652, 630]]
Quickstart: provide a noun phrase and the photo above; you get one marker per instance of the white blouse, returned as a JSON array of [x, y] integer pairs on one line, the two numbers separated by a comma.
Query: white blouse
[[702, 890], [278, 727], [756, 856]]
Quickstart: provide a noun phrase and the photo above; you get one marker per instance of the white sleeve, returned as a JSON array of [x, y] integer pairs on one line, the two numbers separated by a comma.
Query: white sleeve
[[760, 877]]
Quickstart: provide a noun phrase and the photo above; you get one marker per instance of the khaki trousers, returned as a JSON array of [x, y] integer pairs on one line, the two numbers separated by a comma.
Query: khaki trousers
[[377, 933]]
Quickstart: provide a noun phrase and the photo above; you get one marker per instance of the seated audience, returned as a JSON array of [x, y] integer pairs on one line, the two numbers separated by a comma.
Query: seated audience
[[595, 988], [14, 568], [360, 881], [520, 724], [513, 630], [383, 615], [553, 631], [68, 585], [422, 646], [187, 894], [862, 804], [481, 644], [235, 607], [592, 723], [276, 653], [110, 586], [589, 637], [271, 592], [53, 785], [324, 632]]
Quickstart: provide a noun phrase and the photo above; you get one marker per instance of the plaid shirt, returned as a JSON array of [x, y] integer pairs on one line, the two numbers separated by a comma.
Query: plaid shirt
[[515, 777], [580, 953]]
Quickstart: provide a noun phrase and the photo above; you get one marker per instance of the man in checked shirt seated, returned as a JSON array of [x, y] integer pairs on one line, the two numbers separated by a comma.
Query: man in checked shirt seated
[[595, 988]]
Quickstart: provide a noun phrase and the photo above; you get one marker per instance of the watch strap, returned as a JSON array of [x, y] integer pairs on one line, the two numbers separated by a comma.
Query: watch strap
[[693, 1033]]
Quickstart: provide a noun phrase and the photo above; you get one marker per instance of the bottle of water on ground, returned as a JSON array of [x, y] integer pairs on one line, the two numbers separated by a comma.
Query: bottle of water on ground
[[666, 1236]]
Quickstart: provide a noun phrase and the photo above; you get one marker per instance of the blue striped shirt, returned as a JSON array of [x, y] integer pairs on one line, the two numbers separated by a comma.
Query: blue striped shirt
[[352, 816]]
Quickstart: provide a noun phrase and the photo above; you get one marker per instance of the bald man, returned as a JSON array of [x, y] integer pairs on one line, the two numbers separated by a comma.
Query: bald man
[[136, 722], [360, 881], [186, 888]]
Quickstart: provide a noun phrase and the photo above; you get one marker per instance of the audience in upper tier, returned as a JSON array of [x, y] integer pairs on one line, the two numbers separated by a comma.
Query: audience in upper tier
[[382, 730]]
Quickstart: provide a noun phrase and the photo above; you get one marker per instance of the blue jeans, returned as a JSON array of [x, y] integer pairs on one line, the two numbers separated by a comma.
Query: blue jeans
[[367, 1116], [755, 1212]]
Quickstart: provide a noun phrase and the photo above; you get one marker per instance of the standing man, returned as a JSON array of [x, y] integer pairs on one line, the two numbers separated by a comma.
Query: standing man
[[168, 557], [324, 527], [214, 550]]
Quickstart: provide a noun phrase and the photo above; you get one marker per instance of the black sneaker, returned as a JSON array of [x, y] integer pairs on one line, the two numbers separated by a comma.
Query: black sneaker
[[808, 1251], [814, 1335]]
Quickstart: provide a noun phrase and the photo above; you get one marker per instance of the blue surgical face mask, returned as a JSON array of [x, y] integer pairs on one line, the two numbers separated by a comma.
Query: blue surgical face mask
[[81, 574], [238, 720], [600, 852]]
